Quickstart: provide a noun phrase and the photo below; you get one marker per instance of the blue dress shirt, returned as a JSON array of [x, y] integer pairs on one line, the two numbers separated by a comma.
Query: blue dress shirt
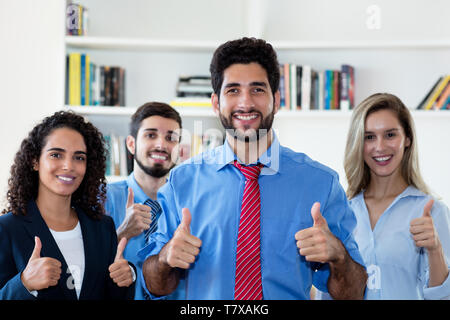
[[211, 188], [117, 195], [398, 269]]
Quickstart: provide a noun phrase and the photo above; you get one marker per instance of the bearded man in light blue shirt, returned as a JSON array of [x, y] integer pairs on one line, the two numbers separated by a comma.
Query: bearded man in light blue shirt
[[305, 224], [153, 141]]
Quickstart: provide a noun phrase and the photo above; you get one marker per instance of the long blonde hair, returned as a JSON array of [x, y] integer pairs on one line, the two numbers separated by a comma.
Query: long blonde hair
[[356, 170]]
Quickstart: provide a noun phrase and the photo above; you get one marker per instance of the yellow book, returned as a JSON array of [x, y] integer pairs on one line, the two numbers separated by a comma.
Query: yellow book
[[74, 79], [87, 79], [437, 92], [191, 103]]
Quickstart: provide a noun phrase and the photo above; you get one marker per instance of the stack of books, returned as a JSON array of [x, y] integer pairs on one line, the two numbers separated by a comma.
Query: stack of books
[[194, 87], [438, 98], [76, 19], [91, 84], [303, 88]]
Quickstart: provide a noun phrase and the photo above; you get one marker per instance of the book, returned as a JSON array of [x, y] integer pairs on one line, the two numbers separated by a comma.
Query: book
[[191, 102], [293, 86], [336, 91], [77, 17], [287, 93], [299, 73], [344, 102], [321, 90], [281, 88], [443, 97], [435, 94], [314, 97], [74, 79], [306, 87], [194, 86], [427, 96], [350, 85]]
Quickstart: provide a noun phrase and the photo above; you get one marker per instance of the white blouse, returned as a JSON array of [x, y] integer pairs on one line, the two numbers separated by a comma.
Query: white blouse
[[70, 244]]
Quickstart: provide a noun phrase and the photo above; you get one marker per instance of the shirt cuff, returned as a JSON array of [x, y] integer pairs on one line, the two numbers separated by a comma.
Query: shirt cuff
[[132, 272], [441, 292], [147, 293]]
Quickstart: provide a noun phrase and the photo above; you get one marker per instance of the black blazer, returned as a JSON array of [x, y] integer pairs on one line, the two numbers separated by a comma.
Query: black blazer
[[17, 234]]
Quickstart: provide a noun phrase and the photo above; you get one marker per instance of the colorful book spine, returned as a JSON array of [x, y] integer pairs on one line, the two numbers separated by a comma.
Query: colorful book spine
[[281, 88], [287, 90], [306, 87], [439, 88], [74, 79]]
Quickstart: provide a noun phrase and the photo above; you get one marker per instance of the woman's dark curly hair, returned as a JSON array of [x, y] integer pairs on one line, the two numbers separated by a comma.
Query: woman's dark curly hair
[[245, 51], [23, 184]]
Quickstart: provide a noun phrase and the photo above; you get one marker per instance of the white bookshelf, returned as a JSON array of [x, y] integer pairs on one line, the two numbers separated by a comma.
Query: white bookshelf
[[403, 65]]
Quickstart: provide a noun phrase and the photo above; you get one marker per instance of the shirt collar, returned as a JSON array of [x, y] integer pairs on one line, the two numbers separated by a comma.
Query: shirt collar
[[139, 194], [409, 191], [270, 158]]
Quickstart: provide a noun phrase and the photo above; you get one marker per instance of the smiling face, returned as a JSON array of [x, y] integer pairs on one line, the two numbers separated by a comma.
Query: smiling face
[[154, 148], [62, 163], [384, 144], [246, 103]]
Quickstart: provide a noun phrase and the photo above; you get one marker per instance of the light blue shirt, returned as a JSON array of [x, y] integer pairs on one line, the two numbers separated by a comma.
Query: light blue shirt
[[211, 188], [398, 269], [117, 195]]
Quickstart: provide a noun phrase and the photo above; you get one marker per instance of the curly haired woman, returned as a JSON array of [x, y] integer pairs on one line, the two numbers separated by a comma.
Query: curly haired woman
[[56, 241]]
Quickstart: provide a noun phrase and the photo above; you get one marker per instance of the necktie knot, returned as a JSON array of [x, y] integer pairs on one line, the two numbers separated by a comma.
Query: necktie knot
[[249, 172]]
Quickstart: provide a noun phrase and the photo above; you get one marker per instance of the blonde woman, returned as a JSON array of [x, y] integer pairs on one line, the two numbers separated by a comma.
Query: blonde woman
[[403, 233]]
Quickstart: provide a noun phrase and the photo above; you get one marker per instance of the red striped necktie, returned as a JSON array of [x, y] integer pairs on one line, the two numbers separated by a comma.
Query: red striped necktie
[[248, 284]]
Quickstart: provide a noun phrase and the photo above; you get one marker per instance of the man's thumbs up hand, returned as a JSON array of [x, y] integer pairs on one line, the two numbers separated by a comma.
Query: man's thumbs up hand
[[183, 248], [317, 243], [120, 270], [423, 231], [185, 220], [137, 218], [319, 220], [40, 273]]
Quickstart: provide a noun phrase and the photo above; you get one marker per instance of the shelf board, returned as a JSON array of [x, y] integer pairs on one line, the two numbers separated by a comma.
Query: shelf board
[[128, 111], [356, 44], [138, 43], [88, 42]]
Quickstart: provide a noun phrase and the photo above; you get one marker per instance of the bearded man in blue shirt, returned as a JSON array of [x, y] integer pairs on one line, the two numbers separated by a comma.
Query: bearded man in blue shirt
[[252, 219], [153, 141]]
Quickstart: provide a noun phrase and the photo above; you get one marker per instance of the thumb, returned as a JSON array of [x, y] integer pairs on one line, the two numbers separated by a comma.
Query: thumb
[[427, 208], [186, 220], [36, 254], [120, 248], [316, 215], [130, 199]]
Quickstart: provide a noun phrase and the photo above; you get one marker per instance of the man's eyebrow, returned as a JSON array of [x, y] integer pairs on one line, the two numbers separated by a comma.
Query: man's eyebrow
[[232, 84], [259, 84], [254, 83]]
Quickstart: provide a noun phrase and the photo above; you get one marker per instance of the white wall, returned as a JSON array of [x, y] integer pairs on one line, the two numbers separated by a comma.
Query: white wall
[[32, 66]]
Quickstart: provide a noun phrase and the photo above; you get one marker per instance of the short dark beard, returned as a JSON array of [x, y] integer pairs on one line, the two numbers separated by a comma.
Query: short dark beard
[[157, 171], [263, 129]]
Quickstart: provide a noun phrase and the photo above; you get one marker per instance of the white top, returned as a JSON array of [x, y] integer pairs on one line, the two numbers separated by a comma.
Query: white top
[[70, 244]]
